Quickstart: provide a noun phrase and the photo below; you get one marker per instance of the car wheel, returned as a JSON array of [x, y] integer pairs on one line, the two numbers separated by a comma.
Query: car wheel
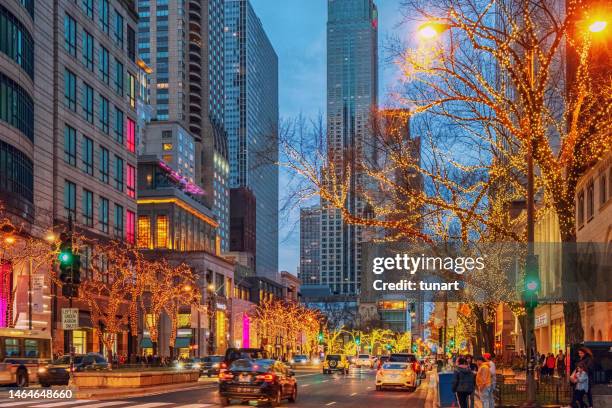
[[378, 388], [224, 401], [45, 385], [276, 401], [22, 378], [293, 396]]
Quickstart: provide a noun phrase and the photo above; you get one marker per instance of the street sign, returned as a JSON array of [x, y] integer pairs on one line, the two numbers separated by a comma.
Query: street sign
[[70, 318], [38, 282]]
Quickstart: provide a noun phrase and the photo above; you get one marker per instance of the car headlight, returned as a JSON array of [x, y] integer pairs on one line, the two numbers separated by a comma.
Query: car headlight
[[196, 366], [292, 361], [316, 361], [180, 365], [216, 365], [42, 370]]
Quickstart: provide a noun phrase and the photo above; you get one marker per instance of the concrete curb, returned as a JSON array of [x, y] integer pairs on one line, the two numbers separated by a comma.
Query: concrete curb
[[113, 393]]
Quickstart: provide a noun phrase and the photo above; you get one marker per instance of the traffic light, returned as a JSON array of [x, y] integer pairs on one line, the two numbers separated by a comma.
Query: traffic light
[[388, 347], [414, 347], [320, 337], [452, 343], [532, 281], [358, 340], [70, 267]]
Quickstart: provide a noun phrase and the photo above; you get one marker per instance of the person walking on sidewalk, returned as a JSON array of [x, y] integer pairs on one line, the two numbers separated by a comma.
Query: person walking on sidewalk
[[474, 369], [561, 364], [580, 379], [463, 382], [586, 360], [550, 364], [483, 383]]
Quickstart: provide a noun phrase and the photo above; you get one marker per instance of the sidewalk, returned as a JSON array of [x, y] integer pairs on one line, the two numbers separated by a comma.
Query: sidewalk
[[431, 400], [112, 393]]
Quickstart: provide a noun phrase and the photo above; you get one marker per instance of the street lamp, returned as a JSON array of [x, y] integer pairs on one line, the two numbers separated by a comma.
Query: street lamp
[[598, 26], [431, 29], [9, 240]]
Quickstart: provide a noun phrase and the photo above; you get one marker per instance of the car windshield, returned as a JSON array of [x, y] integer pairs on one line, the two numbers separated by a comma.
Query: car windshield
[[300, 356], [66, 360], [364, 356], [212, 359], [257, 366], [395, 366], [402, 358], [333, 357]]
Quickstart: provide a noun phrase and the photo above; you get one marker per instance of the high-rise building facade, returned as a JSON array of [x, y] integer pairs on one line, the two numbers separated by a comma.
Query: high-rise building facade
[[310, 245], [352, 81], [182, 41], [251, 120]]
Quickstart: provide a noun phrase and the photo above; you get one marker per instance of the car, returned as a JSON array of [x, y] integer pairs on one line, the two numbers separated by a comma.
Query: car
[[336, 362], [381, 361], [189, 364], [232, 354], [396, 375], [57, 372], [300, 359], [407, 358], [211, 365], [259, 380], [364, 360]]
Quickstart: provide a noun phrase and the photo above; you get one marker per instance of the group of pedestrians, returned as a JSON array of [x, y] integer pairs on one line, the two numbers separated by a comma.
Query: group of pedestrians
[[474, 376], [551, 363]]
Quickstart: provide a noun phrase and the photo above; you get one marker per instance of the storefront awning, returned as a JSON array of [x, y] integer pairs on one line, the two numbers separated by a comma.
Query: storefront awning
[[182, 342], [146, 343]]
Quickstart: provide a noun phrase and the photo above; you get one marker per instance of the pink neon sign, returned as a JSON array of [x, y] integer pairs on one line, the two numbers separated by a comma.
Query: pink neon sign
[[246, 327]]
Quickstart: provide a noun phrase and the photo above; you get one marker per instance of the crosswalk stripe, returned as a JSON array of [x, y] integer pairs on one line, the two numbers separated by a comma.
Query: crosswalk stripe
[[106, 404], [22, 402], [151, 405], [62, 403]]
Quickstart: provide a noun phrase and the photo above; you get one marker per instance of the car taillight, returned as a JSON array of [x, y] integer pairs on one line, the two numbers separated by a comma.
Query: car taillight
[[225, 376], [223, 365], [381, 371], [266, 377]]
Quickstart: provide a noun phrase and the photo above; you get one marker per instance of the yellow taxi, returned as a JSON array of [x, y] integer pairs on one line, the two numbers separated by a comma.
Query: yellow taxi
[[336, 362]]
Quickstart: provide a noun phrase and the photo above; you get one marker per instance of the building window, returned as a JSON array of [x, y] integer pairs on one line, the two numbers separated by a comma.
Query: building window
[[580, 208], [131, 181], [70, 29], [603, 186], [119, 29], [70, 90], [161, 231], [88, 50], [104, 65], [70, 145], [130, 224], [69, 199], [103, 15], [118, 77], [131, 43], [166, 134], [131, 135], [118, 173], [87, 208], [118, 125], [144, 232], [88, 103], [590, 201], [87, 7], [16, 106], [104, 114], [118, 225], [103, 214], [16, 173], [132, 89], [104, 166], [87, 155], [16, 43], [167, 146]]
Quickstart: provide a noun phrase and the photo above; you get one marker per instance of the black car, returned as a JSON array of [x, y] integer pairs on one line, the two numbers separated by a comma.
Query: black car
[[210, 365], [257, 379], [233, 354], [58, 371]]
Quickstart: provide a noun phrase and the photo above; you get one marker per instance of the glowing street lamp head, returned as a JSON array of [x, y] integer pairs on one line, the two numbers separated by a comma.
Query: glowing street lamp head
[[187, 288], [598, 26], [427, 32], [9, 240]]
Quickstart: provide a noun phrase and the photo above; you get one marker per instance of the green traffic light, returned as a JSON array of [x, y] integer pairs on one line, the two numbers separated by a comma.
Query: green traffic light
[[532, 285], [65, 257]]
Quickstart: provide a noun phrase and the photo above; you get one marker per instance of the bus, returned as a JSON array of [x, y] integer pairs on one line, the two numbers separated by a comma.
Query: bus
[[22, 352]]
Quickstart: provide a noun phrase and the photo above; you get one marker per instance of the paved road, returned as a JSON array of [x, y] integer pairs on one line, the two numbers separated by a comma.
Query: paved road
[[315, 391]]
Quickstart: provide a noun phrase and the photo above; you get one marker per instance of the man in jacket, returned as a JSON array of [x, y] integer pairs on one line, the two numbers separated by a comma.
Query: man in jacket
[[463, 382], [484, 383]]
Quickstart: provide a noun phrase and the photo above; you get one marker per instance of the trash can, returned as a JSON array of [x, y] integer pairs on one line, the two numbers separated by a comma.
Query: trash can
[[446, 396]]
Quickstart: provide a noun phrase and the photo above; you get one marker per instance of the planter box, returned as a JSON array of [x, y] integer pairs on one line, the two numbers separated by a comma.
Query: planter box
[[118, 379]]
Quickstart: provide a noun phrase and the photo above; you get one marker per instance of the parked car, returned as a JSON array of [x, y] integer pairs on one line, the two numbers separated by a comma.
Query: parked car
[[57, 372], [189, 364], [364, 360], [211, 365], [336, 362], [299, 359], [396, 375], [257, 379]]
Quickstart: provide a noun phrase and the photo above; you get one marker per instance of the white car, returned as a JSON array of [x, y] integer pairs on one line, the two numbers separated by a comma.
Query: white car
[[396, 375], [364, 360]]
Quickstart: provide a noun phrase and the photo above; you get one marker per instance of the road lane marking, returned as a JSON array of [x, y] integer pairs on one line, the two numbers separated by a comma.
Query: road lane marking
[[62, 403], [305, 375], [151, 405], [106, 404], [305, 385], [353, 394], [331, 403]]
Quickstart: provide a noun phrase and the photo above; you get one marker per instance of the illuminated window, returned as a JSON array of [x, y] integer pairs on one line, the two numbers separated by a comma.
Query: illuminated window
[[167, 158], [144, 232], [184, 320], [130, 220], [79, 341], [162, 232], [131, 135], [131, 181], [167, 146]]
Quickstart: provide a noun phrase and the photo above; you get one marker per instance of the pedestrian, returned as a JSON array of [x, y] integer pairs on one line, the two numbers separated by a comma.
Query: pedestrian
[[561, 364], [586, 359], [463, 382], [550, 364], [542, 364], [489, 359], [580, 379], [474, 368], [483, 382]]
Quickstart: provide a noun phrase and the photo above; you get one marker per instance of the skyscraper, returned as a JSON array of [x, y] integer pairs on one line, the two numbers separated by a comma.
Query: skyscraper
[[182, 41], [352, 80], [310, 245], [251, 120]]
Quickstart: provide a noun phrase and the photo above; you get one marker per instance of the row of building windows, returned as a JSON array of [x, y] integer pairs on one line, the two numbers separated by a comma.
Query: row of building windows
[[16, 42], [124, 222], [16, 106], [585, 202], [16, 172], [87, 160]]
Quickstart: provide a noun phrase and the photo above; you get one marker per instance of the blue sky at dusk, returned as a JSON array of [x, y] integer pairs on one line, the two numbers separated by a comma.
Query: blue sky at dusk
[[296, 29]]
